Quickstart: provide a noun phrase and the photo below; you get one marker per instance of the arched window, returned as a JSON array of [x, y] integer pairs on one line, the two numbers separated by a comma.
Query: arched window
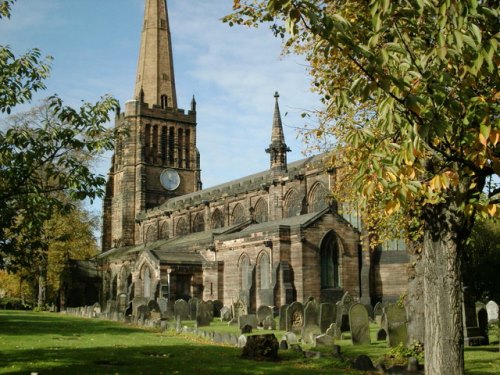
[[164, 231], [244, 272], [329, 262], [182, 227], [198, 223], [180, 149], [171, 144], [217, 219], [293, 204], [151, 233], [238, 215], [164, 98], [319, 198], [264, 271], [146, 279], [261, 214]]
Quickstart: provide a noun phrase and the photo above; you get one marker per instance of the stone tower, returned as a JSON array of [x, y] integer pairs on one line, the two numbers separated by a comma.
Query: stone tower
[[278, 148], [158, 158]]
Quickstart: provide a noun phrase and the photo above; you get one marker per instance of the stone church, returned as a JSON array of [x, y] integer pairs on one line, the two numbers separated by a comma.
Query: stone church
[[267, 239]]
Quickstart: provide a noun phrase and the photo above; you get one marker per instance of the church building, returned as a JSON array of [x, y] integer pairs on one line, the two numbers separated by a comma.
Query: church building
[[270, 238]]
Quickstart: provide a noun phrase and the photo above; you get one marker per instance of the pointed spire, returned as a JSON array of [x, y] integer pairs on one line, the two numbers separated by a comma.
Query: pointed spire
[[193, 104], [278, 148], [155, 70]]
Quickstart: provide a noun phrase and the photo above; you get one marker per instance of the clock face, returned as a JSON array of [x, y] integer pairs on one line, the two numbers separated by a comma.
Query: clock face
[[170, 179]]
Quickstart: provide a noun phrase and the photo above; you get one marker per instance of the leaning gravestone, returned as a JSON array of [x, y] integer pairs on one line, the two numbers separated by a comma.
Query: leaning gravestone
[[311, 328], [492, 310], [282, 324], [193, 303], [326, 315], [360, 325], [181, 310], [263, 312], [204, 314], [295, 317], [342, 319], [395, 324]]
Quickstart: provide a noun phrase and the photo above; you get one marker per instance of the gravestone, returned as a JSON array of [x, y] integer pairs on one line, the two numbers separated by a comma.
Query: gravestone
[[378, 310], [225, 314], [242, 341], [122, 302], [246, 329], [249, 319], [311, 328], [283, 345], [218, 305], [181, 310], [143, 313], [492, 310], [331, 330], [238, 308], [262, 313], [193, 304], [269, 323], [204, 314], [154, 309], [324, 340], [395, 324], [295, 317], [291, 338], [282, 323], [482, 322], [472, 333], [360, 325], [261, 348], [342, 318], [326, 316], [163, 305], [136, 302]]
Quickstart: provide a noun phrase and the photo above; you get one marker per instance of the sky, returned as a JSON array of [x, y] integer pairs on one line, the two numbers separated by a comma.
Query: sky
[[232, 72]]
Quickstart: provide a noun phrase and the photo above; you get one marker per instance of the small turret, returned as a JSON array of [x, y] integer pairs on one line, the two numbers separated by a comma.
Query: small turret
[[193, 104], [278, 148]]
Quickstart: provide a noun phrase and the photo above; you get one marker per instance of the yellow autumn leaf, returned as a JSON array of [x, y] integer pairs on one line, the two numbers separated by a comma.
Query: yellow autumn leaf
[[435, 183], [492, 209], [469, 210], [391, 207], [494, 137]]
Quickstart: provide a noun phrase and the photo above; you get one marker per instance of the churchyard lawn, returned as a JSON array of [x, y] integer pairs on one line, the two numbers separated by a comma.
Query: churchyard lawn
[[47, 343]]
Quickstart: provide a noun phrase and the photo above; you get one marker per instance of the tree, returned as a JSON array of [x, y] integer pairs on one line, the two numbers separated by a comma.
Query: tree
[[45, 155], [425, 140]]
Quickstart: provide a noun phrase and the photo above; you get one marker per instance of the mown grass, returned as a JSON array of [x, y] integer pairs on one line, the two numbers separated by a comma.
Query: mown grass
[[58, 344]]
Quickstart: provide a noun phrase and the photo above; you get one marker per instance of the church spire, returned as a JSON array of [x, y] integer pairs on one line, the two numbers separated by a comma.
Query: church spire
[[155, 81], [278, 148]]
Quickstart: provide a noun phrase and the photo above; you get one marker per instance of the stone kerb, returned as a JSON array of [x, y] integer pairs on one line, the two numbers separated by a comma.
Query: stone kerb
[[295, 317], [360, 325], [395, 324], [181, 310], [311, 327]]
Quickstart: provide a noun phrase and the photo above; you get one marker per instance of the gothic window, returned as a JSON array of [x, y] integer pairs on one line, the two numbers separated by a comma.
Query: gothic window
[[164, 98], [151, 233], [260, 211], [179, 147], [238, 215], [217, 219], [198, 223], [319, 197], [146, 280], [182, 227], [264, 271], [293, 204], [329, 262], [244, 272], [171, 143], [164, 231]]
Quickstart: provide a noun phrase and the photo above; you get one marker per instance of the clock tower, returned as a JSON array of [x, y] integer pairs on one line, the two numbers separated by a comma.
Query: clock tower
[[157, 159]]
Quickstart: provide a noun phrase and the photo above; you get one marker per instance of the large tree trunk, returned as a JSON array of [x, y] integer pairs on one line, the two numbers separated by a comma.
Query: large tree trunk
[[42, 286], [443, 291], [415, 298]]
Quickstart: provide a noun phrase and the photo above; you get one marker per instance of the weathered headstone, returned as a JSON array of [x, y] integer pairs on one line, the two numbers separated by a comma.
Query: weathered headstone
[[324, 340], [295, 317], [204, 314], [249, 319], [238, 308], [262, 313], [218, 305], [472, 333], [143, 313], [482, 322], [242, 341], [326, 315], [269, 323], [492, 310], [360, 325], [395, 324], [342, 319], [246, 329], [122, 302], [331, 330], [363, 363], [261, 347], [311, 328], [283, 345], [181, 310], [282, 323], [225, 314], [163, 305], [136, 302], [193, 305]]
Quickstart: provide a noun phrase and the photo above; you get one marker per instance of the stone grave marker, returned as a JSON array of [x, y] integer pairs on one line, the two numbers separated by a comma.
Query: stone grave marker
[[262, 313], [295, 317], [472, 333], [291, 338], [163, 305], [395, 324], [181, 310], [218, 305], [261, 347], [138, 301], [193, 304], [269, 323], [331, 330], [342, 318], [249, 319], [242, 340], [311, 328], [282, 323], [482, 322], [326, 315], [225, 314], [122, 302], [492, 310], [204, 314], [360, 325], [324, 340], [238, 308]]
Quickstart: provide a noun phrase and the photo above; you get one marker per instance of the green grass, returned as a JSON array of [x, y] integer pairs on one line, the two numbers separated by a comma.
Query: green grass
[[58, 344]]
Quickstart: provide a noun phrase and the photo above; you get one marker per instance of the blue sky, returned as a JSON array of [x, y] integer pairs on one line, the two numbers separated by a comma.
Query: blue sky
[[233, 72]]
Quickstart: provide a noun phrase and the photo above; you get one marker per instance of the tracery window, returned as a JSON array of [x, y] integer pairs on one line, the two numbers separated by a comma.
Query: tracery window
[[238, 215], [261, 213], [319, 198], [151, 233], [198, 223], [164, 231], [182, 227], [217, 219], [293, 204]]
